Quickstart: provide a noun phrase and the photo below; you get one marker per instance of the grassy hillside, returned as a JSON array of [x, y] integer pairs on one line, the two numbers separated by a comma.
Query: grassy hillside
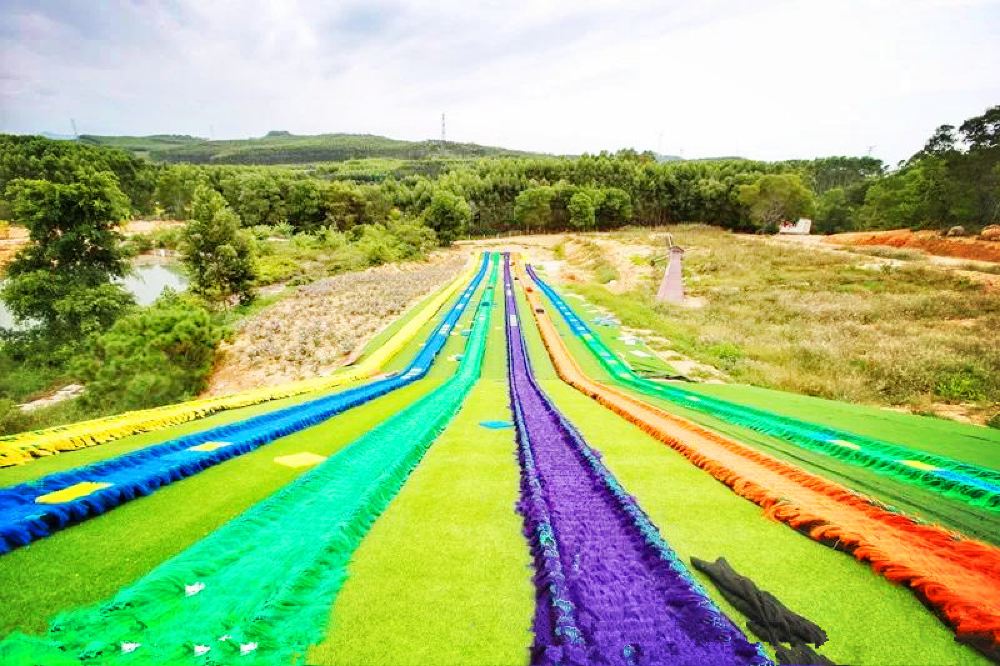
[[813, 322], [286, 148]]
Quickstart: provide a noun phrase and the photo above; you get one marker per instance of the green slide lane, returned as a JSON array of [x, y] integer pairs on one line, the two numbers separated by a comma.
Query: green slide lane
[[94, 559], [974, 521], [869, 620], [259, 588], [978, 445], [444, 576]]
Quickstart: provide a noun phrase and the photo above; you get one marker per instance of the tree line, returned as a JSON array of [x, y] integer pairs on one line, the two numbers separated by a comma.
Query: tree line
[[953, 180]]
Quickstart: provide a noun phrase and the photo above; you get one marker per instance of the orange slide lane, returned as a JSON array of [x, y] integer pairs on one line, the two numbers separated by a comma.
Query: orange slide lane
[[959, 578]]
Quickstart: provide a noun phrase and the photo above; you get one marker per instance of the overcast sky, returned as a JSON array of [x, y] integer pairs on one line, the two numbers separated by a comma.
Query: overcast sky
[[768, 79]]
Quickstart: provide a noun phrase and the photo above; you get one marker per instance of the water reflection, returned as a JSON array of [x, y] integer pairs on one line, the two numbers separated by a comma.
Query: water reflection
[[146, 283]]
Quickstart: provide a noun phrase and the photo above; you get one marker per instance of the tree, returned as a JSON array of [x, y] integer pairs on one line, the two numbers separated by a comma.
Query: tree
[[63, 279], [581, 211], [258, 198], [304, 204], [776, 198], [833, 212], [175, 188], [533, 208], [345, 205], [152, 356], [448, 215], [219, 256], [614, 208]]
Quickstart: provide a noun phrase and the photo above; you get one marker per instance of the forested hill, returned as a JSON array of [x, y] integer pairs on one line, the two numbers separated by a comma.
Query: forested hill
[[286, 148]]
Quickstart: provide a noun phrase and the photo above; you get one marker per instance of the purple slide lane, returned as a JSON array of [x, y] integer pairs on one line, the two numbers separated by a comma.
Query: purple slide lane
[[609, 589]]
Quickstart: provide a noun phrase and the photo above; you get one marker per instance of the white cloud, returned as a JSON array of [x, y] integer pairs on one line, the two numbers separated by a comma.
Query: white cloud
[[775, 79]]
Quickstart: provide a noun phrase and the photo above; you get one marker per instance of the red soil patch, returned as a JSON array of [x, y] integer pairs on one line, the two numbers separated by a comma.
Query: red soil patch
[[928, 241]]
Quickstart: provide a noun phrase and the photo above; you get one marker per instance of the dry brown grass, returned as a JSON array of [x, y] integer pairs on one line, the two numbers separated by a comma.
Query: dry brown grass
[[825, 324]]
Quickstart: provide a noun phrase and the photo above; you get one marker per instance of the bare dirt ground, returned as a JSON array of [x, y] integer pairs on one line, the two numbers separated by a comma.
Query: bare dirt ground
[[322, 325], [930, 242], [10, 242], [16, 237]]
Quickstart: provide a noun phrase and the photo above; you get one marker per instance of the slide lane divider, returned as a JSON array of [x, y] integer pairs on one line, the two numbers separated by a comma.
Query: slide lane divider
[[972, 484], [610, 589], [958, 578], [24, 447], [33, 510], [258, 590]]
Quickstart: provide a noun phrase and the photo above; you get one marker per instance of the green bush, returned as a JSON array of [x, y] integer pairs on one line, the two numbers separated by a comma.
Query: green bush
[[168, 238], [962, 383], [272, 268], [136, 245], [605, 273], [152, 356]]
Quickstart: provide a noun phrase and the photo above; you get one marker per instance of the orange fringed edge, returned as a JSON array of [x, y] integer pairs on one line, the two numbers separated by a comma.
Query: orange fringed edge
[[969, 611]]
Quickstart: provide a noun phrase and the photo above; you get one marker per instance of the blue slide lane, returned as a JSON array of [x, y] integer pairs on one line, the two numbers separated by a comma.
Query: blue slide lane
[[142, 472]]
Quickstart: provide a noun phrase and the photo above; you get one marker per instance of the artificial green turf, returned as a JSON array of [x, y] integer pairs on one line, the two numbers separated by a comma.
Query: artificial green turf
[[89, 562], [974, 444], [651, 365], [444, 576], [869, 620], [911, 499]]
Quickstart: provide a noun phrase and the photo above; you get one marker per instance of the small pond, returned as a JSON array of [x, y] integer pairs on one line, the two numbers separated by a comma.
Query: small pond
[[146, 283]]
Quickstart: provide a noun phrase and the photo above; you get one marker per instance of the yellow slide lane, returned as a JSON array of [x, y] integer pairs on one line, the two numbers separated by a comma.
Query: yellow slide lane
[[25, 447]]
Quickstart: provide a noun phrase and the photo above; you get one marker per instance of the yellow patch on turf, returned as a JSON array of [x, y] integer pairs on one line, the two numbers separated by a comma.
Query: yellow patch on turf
[[209, 446], [916, 464], [71, 493], [303, 459], [846, 445]]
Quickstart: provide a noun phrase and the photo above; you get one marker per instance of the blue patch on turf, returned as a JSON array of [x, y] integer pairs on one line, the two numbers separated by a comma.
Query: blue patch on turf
[[496, 425]]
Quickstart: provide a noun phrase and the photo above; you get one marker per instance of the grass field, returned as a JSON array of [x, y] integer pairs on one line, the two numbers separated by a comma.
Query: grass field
[[820, 323]]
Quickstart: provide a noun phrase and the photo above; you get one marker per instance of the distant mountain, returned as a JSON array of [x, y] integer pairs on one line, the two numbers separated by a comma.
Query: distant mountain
[[58, 137], [280, 147]]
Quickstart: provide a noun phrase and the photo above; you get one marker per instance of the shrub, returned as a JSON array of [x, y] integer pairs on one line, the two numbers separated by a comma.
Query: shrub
[[168, 238], [152, 356]]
